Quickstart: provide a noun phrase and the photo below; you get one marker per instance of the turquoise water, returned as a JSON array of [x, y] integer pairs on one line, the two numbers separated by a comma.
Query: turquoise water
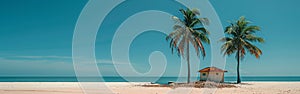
[[144, 79]]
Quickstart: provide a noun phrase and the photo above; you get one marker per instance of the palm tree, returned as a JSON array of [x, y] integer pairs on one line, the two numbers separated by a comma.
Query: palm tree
[[186, 31], [239, 39]]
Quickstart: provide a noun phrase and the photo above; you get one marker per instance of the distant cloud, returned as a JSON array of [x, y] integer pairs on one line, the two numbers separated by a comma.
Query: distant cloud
[[52, 65], [52, 59], [49, 65], [29, 67]]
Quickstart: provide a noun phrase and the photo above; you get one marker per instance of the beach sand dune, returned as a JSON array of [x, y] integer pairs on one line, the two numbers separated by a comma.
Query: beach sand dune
[[132, 88]]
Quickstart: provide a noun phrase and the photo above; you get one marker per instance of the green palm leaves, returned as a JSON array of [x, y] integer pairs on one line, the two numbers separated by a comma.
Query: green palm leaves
[[240, 37], [188, 31]]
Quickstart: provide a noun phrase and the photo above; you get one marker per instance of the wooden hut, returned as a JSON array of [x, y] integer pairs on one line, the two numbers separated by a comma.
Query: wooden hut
[[212, 74]]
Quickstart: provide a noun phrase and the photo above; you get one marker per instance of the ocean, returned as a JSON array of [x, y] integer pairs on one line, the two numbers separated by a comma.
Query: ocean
[[161, 80]]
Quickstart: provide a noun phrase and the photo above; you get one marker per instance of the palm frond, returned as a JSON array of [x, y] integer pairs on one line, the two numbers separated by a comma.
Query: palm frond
[[205, 21], [239, 38], [196, 46], [254, 38], [202, 29], [177, 20], [196, 11], [251, 29], [225, 39], [175, 27], [201, 46], [231, 30], [252, 49], [185, 32]]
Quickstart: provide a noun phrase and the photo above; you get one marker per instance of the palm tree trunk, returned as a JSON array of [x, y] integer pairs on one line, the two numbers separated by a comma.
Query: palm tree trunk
[[188, 63], [238, 68]]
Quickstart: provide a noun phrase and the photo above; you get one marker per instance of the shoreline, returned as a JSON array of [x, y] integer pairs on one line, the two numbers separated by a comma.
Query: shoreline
[[132, 88]]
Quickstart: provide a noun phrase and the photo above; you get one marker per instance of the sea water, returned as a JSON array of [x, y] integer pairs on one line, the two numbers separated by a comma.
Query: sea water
[[161, 80]]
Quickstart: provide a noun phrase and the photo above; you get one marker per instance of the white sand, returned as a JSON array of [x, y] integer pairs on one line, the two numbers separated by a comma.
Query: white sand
[[131, 88]]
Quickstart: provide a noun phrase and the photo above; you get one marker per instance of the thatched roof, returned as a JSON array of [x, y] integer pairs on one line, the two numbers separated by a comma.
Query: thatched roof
[[212, 69]]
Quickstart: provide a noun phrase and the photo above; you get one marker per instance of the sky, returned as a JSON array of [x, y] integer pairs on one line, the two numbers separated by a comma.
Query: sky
[[36, 37]]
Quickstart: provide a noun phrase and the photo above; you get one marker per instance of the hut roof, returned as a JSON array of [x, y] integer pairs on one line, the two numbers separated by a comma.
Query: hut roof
[[212, 69]]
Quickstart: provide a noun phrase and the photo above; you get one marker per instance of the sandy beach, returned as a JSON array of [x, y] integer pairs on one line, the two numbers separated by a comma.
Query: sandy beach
[[132, 88]]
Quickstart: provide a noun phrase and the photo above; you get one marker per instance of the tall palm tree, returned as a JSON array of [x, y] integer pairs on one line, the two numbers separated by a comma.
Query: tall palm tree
[[188, 31], [239, 39]]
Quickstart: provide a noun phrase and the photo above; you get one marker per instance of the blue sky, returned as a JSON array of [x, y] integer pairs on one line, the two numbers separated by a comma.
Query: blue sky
[[36, 37]]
